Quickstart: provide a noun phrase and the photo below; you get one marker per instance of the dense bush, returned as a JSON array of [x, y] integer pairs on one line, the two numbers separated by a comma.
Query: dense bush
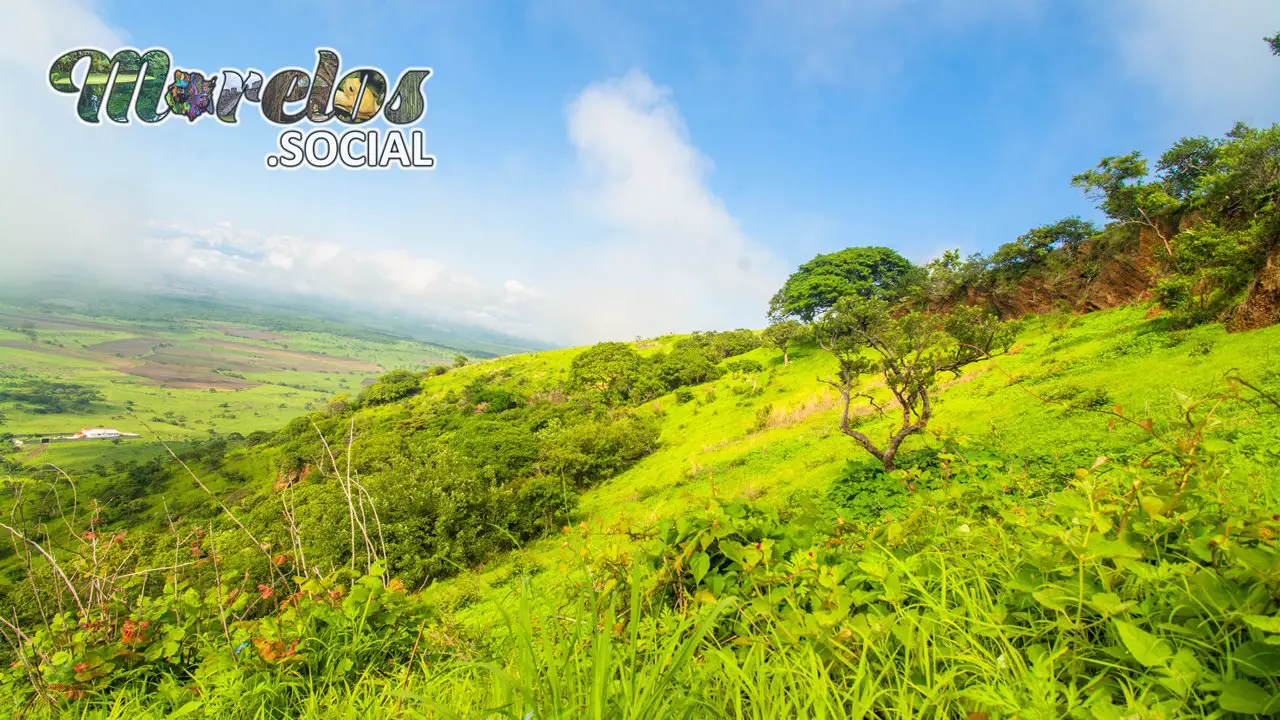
[[49, 397], [395, 385]]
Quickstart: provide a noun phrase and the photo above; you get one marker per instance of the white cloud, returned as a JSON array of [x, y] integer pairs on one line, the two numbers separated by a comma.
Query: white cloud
[[1206, 60], [364, 275], [64, 189], [670, 256]]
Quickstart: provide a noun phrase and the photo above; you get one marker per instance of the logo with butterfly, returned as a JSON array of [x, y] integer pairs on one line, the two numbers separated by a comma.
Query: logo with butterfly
[[132, 85]]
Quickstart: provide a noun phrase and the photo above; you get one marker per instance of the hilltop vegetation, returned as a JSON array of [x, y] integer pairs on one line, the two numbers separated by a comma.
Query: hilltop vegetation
[[1200, 234]]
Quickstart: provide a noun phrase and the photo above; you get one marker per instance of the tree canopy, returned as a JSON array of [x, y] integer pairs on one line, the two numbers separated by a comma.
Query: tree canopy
[[1035, 245], [869, 272], [609, 371]]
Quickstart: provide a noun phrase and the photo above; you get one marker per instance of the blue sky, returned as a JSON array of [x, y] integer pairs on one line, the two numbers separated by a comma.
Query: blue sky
[[608, 169]]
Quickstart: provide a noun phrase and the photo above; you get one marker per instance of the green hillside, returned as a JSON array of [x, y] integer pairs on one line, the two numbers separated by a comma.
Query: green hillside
[[518, 499]]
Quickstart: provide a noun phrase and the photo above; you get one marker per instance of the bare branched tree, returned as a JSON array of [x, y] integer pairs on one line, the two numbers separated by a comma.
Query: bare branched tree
[[908, 352]]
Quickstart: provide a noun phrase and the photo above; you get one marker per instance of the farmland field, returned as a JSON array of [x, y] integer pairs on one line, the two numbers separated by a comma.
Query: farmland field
[[185, 378]]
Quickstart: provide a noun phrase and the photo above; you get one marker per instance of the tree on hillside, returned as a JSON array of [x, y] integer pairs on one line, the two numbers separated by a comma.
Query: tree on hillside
[[690, 362], [609, 371], [1120, 187], [1034, 246], [782, 333], [395, 385], [1182, 166], [459, 360], [908, 352], [869, 272]]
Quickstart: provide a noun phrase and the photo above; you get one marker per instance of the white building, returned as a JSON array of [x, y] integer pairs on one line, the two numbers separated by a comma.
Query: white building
[[98, 433]]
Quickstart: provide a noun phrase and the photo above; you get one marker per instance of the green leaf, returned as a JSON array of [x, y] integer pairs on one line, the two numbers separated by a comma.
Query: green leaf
[[699, 564], [187, 709], [1103, 548], [1052, 597], [1146, 648], [1243, 696], [1109, 604], [1257, 660], [1265, 623]]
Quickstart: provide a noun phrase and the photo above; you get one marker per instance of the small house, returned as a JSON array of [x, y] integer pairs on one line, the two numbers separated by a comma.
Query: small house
[[98, 434]]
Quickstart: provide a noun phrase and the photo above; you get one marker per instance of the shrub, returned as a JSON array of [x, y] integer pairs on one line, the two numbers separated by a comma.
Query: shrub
[[763, 414], [395, 385], [743, 365], [866, 492]]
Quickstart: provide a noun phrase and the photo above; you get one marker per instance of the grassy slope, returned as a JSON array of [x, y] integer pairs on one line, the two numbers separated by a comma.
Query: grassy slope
[[709, 450], [712, 449]]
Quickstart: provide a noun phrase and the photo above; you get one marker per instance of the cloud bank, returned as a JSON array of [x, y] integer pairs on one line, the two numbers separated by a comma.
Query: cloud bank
[[649, 246]]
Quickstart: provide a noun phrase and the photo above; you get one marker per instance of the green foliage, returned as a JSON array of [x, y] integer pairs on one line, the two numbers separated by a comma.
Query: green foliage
[[49, 397], [727, 343], [1134, 590], [743, 365], [612, 372], [691, 361], [782, 334], [1119, 185], [1183, 166], [320, 634], [395, 385], [1274, 42], [1216, 269], [1033, 248], [978, 333], [866, 492], [586, 453], [868, 272]]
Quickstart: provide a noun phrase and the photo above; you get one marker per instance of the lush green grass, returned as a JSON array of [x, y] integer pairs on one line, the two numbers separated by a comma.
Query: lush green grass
[[929, 612], [710, 451]]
